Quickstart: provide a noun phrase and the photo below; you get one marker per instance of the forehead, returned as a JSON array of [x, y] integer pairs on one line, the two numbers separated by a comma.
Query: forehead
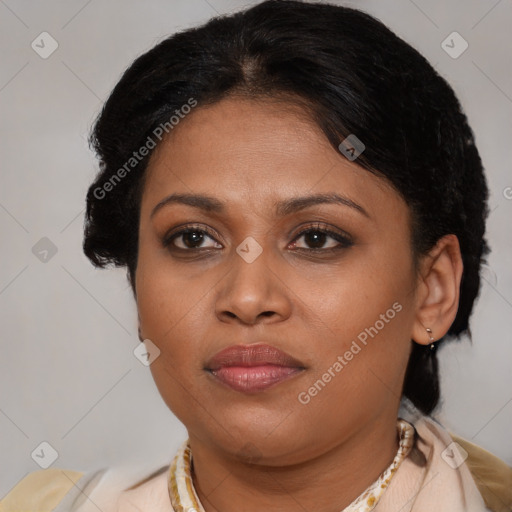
[[247, 151], [238, 129]]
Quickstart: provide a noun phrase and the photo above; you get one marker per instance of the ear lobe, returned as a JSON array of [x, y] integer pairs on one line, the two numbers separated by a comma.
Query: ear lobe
[[438, 299]]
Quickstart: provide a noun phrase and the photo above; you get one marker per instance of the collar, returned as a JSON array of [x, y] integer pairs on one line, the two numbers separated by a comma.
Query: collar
[[184, 498]]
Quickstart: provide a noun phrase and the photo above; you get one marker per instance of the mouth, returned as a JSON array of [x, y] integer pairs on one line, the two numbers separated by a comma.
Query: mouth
[[253, 368]]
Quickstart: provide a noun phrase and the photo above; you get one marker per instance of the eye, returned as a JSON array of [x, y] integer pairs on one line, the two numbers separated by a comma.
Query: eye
[[191, 238], [316, 237]]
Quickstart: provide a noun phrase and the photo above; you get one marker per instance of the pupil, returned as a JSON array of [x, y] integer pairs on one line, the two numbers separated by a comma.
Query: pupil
[[193, 237], [315, 239]]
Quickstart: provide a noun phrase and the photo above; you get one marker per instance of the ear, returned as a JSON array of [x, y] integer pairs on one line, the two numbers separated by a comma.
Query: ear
[[438, 290]]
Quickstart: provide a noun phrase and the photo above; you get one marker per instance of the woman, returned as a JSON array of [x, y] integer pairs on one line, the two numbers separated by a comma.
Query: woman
[[300, 206]]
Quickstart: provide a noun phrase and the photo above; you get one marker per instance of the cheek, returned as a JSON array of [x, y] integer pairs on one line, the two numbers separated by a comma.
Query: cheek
[[164, 297], [171, 316], [366, 313], [363, 290], [171, 319], [173, 313]]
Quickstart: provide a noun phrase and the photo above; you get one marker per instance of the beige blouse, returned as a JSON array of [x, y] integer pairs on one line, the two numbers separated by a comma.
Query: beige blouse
[[430, 473]]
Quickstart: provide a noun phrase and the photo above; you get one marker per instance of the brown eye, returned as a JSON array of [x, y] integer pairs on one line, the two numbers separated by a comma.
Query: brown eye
[[190, 239], [321, 239], [315, 239]]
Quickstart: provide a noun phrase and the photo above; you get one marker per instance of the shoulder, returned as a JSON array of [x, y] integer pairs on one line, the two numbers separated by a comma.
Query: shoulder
[[60, 490], [492, 476], [466, 469], [40, 490]]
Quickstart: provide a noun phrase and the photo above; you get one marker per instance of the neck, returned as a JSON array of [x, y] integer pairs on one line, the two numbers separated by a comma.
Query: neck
[[327, 483]]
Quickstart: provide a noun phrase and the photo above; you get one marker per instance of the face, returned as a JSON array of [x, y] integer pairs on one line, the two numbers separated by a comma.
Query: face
[[258, 237]]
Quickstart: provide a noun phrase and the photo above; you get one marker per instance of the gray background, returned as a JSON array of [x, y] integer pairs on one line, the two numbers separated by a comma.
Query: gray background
[[67, 372]]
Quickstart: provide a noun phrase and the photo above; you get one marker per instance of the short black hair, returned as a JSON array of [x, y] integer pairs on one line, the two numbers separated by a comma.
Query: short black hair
[[353, 76]]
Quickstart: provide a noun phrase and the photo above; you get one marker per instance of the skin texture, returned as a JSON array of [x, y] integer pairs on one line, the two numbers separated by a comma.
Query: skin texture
[[268, 450]]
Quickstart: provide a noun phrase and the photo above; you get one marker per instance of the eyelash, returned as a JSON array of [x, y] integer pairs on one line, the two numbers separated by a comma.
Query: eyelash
[[344, 240]]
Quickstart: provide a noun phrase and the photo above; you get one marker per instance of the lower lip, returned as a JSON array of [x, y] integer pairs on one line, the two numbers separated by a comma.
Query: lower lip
[[251, 379]]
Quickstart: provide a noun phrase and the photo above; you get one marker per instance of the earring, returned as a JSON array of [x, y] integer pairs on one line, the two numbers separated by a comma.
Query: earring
[[429, 332]]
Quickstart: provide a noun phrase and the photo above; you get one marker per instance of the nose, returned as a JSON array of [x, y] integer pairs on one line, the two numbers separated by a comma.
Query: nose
[[253, 293]]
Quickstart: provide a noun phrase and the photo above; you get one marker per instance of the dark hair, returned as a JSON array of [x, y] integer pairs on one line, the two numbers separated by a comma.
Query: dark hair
[[353, 76]]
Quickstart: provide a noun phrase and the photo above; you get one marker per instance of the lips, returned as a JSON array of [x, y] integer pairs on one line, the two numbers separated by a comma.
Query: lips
[[253, 368]]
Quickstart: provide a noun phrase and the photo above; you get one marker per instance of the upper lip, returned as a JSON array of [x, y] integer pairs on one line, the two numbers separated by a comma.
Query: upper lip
[[257, 354]]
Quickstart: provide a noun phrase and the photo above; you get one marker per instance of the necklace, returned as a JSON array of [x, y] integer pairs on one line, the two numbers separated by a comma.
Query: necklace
[[184, 498]]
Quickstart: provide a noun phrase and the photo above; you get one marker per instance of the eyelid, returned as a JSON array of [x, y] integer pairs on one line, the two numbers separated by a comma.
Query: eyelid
[[323, 226]]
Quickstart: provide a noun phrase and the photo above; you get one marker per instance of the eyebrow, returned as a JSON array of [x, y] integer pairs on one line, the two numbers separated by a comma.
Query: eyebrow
[[285, 207]]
